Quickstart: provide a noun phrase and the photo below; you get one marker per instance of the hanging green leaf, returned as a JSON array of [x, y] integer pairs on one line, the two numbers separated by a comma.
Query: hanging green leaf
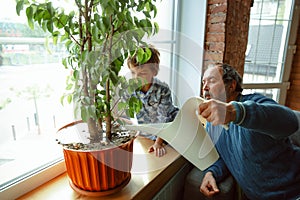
[[140, 55], [69, 98], [29, 13]]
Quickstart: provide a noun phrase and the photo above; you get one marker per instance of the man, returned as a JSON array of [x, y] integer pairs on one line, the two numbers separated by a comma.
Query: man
[[255, 147]]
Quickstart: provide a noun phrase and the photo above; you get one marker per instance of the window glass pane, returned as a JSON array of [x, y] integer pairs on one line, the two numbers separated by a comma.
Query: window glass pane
[[32, 82], [272, 93], [271, 9], [268, 31]]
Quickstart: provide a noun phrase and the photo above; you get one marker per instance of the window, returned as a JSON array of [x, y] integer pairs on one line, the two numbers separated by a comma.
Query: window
[[32, 82], [268, 42]]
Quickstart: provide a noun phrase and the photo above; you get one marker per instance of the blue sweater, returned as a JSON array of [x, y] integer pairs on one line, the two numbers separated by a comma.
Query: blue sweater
[[257, 151]]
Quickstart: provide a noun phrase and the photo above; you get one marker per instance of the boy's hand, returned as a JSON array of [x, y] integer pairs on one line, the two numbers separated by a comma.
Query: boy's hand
[[125, 120], [158, 148]]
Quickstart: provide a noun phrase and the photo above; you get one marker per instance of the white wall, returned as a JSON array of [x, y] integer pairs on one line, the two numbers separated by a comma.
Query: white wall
[[190, 45], [181, 50]]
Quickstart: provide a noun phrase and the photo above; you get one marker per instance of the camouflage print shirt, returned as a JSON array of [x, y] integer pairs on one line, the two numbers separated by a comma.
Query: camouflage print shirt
[[157, 105]]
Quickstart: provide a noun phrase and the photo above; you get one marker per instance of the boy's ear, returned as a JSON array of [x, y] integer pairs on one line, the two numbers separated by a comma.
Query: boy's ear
[[155, 69]]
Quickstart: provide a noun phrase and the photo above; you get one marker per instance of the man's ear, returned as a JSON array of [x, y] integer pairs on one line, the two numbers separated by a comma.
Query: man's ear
[[233, 86]]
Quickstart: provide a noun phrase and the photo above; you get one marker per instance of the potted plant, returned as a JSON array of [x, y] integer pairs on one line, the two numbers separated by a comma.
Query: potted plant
[[98, 35]]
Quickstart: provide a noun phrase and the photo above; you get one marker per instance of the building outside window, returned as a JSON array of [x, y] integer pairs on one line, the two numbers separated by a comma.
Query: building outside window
[[268, 42]]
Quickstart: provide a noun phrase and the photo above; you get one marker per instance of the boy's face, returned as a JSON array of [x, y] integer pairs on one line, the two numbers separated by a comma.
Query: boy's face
[[143, 72]]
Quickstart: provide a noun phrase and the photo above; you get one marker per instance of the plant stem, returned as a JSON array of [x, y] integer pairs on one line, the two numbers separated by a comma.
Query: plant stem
[[108, 97], [108, 117]]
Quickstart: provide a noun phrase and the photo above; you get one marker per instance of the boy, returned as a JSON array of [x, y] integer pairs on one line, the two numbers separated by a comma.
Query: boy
[[155, 96]]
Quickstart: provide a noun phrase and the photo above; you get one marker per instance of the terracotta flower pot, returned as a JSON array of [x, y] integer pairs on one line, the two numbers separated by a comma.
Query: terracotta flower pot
[[99, 172]]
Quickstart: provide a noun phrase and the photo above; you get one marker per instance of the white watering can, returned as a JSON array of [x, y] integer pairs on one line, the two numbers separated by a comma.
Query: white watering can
[[185, 134]]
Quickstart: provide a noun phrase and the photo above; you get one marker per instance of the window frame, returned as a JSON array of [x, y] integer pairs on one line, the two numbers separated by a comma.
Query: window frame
[[33, 180]]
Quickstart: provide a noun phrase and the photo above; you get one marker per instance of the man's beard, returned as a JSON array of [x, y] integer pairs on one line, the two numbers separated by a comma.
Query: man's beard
[[207, 95]]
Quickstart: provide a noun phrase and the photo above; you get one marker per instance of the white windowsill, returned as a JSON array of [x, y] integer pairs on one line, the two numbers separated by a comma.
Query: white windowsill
[[149, 175]]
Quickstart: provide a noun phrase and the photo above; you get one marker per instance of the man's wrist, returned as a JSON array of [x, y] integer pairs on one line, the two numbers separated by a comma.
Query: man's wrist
[[240, 112], [231, 112], [209, 173]]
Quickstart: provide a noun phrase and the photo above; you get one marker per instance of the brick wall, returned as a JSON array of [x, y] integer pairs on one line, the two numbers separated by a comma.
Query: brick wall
[[227, 32], [293, 94], [226, 40]]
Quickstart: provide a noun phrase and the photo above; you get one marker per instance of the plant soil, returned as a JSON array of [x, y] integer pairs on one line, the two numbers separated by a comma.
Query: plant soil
[[82, 142]]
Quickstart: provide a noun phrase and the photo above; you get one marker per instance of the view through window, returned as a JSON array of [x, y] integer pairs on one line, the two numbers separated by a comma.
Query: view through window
[[269, 30], [32, 83]]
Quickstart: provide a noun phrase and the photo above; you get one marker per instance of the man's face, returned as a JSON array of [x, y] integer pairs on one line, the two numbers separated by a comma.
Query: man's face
[[213, 85]]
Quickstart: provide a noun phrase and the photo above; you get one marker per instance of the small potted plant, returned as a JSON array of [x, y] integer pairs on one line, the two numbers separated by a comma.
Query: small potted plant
[[99, 35]]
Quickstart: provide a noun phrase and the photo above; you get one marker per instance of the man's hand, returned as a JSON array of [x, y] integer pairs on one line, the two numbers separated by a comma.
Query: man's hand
[[209, 186], [217, 112]]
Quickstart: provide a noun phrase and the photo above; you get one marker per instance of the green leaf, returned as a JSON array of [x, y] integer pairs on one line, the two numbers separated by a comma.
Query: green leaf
[[47, 15], [84, 55], [103, 92], [84, 113], [64, 62], [76, 74], [63, 20], [69, 86], [65, 36], [147, 14], [122, 105], [19, 7], [128, 17], [50, 26], [147, 55], [109, 11], [155, 11], [55, 38], [156, 27], [113, 77], [92, 111], [29, 14], [95, 31], [69, 98], [140, 55], [118, 64], [147, 6], [140, 6], [131, 113], [62, 100], [50, 8]]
